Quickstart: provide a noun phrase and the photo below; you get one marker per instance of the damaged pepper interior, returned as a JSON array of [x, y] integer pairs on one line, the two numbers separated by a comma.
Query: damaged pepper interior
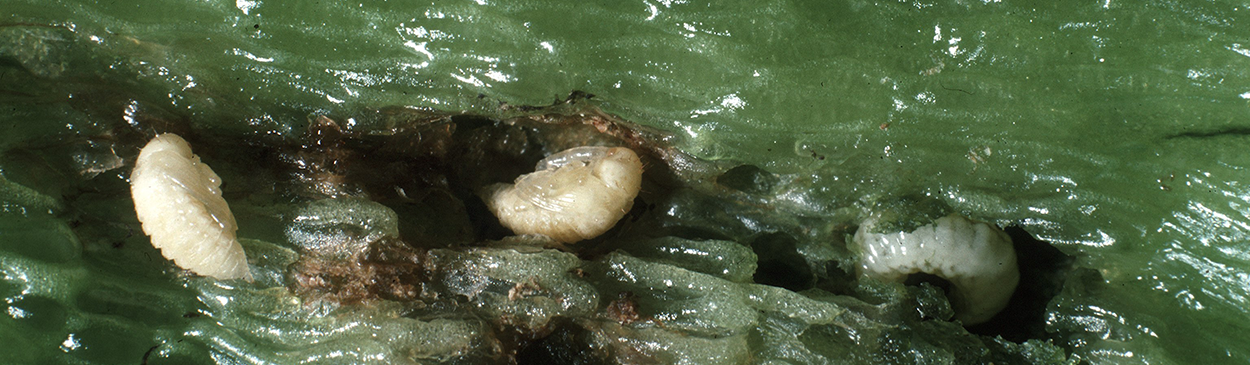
[[766, 182], [372, 242]]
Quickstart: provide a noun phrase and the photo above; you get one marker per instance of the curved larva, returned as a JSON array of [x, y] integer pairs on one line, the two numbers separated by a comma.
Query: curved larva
[[574, 195], [977, 258], [178, 201]]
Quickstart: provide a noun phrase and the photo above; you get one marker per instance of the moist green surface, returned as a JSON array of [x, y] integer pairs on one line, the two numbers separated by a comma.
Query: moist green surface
[[1114, 130]]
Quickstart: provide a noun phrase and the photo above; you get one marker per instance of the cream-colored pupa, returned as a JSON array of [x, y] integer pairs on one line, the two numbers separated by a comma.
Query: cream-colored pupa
[[178, 201], [573, 195]]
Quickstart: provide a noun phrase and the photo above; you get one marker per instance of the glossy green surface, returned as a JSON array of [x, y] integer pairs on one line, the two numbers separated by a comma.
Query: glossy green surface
[[1117, 130]]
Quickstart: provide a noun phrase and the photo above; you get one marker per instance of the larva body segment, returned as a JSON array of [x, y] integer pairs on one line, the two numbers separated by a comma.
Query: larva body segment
[[178, 201], [574, 195]]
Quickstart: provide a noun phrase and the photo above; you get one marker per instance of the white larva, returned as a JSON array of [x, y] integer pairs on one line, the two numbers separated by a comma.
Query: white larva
[[573, 195], [178, 201], [977, 258]]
